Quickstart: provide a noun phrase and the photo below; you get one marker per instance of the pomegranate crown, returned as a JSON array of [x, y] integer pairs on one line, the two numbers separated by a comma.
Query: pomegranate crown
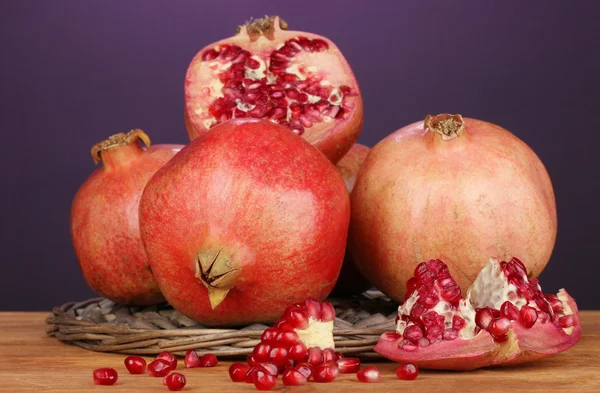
[[119, 139], [263, 26]]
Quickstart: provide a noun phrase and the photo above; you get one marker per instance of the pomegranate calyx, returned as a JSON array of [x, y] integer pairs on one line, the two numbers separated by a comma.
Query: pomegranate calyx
[[255, 28], [116, 140], [447, 125], [215, 270]]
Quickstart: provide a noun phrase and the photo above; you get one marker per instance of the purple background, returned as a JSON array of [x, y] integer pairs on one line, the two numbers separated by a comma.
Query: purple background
[[74, 72]]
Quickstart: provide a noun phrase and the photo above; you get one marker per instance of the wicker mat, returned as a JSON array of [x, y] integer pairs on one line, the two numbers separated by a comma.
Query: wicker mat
[[101, 325]]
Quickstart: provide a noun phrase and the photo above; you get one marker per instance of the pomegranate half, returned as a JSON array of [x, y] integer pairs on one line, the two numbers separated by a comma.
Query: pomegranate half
[[104, 219], [459, 190], [504, 319], [296, 79], [244, 220], [351, 281]]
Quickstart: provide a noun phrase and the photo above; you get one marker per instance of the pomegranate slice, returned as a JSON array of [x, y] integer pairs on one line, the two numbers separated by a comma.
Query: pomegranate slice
[[303, 334], [438, 329], [300, 80]]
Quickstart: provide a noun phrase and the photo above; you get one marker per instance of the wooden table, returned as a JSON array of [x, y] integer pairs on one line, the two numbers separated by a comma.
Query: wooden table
[[31, 362]]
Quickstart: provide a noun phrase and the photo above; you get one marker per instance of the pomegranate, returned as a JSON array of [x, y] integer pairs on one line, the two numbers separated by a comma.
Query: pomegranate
[[438, 328], [299, 80], [105, 376], [104, 219], [351, 281], [243, 221], [456, 189]]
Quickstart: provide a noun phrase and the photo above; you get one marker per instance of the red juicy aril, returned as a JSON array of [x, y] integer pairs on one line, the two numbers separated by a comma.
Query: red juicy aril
[[504, 319], [351, 281], [245, 219], [451, 188], [296, 79], [104, 219]]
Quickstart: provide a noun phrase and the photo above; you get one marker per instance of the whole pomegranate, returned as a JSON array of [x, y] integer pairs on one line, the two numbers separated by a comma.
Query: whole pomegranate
[[351, 281], [244, 220], [299, 80], [504, 319], [449, 188], [104, 219]]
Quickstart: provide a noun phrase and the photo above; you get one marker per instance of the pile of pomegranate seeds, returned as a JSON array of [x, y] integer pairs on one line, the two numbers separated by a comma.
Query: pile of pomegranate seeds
[[105, 376]]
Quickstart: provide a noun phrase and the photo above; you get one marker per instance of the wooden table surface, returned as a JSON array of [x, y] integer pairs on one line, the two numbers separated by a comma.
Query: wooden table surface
[[31, 362]]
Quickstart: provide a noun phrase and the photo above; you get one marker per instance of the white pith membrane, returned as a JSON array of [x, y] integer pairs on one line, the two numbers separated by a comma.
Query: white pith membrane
[[301, 83], [317, 334], [490, 289]]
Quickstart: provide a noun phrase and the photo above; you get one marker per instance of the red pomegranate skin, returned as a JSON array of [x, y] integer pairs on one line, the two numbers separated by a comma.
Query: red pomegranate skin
[[351, 281], [253, 209], [482, 194], [104, 224]]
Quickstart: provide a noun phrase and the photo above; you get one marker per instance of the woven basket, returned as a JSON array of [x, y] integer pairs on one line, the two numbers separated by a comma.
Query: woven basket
[[101, 325]]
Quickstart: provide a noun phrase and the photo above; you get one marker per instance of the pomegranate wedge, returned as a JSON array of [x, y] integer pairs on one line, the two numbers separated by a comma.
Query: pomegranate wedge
[[504, 319]]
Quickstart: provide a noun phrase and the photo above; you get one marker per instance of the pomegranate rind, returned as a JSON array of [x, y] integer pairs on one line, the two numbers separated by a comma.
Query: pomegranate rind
[[444, 355], [333, 139]]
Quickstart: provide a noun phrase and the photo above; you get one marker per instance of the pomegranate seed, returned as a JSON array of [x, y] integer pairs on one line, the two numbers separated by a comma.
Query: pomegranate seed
[[314, 356], [325, 372], [269, 334], [417, 310], [528, 316], [251, 360], [566, 321], [305, 369], [483, 317], [105, 376], [509, 311], [519, 265], [413, 333], [328, 355], [264, 380], [135, 364], [249, 377], [407, 372], [338, 356], [450, 334], [458, 323], [286, 338], [268, 368], [348, 365], [169, 358], [175, 381], [261, 352], [423, 342], [293, 377], [369, 374], [209, 54], [278, 355], [428, 301], [208, 360], [297, 351], [238, 371], [408, 346], [555, 303], [159, 368], [327, 312], [451, 293], [412, 283], [499, 327], [191, 359], [390, 336]]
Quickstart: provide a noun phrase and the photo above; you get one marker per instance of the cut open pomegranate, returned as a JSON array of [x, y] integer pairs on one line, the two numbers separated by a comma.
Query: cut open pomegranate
[[300, 80], [504, 319]]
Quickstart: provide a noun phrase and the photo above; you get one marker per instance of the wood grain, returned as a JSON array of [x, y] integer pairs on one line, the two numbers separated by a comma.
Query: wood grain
[[30, 361]]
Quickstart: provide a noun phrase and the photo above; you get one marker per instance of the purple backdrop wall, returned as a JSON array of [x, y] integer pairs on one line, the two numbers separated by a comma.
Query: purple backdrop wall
[[73, 72]]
